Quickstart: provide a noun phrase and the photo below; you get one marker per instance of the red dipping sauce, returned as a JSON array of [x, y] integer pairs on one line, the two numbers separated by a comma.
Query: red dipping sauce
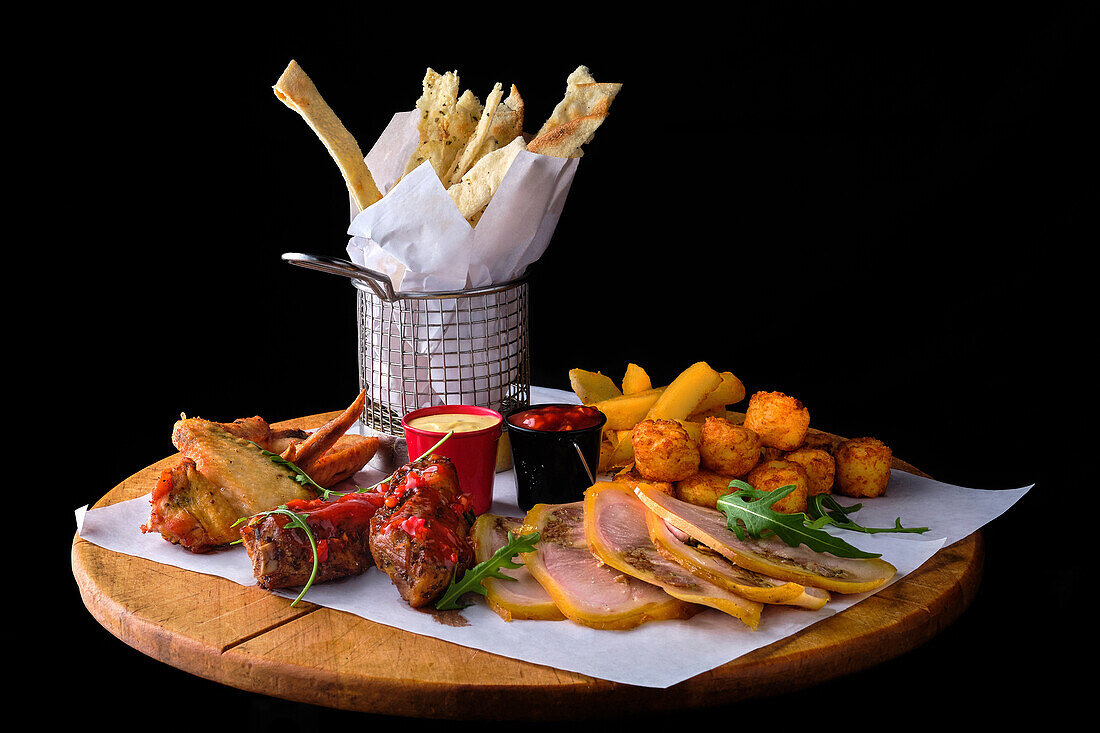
[[557, 418]]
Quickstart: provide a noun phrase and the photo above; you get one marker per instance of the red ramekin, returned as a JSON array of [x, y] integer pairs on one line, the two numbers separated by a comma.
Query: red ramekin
[[473, 453]]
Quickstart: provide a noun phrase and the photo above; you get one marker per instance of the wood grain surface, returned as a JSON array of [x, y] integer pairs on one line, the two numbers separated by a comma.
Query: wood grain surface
[[249, 639]]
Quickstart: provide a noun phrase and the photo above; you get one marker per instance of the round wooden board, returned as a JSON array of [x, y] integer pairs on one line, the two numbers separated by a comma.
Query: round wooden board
[[247, 638]]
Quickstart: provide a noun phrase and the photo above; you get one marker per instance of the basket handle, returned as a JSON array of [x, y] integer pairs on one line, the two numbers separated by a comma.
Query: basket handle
[[378, 282]]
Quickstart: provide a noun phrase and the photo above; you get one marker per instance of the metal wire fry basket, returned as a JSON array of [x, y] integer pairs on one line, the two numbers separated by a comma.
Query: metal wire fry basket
[[417, 349]]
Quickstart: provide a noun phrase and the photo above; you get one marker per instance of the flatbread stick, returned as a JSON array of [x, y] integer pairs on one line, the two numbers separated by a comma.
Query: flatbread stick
[[472, 193], [472, 151], [297, 91], [565, 141], [584, 97]]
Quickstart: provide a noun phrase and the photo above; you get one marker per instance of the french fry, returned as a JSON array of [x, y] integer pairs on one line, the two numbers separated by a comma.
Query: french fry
[[636, 380], [592, 387], [623, 453], [607, 450], [683, 395], [626, 411], [701, 415], [694, 429], [729, 391]]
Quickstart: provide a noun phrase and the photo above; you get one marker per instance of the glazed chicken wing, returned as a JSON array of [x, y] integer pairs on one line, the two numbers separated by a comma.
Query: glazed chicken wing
[[420, 535], [282, 555]]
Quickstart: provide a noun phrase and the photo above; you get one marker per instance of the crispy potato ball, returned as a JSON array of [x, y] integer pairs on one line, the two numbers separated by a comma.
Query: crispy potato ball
[[632, 478], [781, 421], [703, 488], [820, 467], [775, 474], [862, 467], [663, 450], [727, 448]]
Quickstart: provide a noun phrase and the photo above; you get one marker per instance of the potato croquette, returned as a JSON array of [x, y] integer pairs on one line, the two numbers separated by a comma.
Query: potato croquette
[[775, 474], [862, 467], [820, 467], [663, 450], [632, 478], [727, 448], [781, 421], [703, 488]]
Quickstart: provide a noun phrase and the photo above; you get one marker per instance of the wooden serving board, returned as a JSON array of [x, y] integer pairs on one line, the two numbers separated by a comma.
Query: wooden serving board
[[247, 638]]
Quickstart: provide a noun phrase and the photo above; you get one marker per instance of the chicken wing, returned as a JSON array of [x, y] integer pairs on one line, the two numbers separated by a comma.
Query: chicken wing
[[223, 474]]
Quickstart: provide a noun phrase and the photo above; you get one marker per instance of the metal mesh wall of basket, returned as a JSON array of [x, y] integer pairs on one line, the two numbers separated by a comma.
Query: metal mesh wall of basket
[[465, 347]]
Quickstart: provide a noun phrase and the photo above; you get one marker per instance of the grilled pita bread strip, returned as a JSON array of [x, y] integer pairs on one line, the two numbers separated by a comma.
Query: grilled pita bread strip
[[473, 149], [583, 97], [565, 141], [462, 124], [507, 122], [436, 105], [297, 91], [473, 192]]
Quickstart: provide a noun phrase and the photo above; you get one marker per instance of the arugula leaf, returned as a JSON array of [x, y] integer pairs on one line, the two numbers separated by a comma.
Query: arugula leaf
[[296, 520], [824, 509], [749, 513], [471, 580]]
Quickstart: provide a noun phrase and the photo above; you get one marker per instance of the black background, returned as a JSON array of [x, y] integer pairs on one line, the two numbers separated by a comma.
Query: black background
[[883, 216]]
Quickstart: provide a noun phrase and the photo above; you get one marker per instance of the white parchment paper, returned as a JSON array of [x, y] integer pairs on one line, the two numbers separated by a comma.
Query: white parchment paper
[[674, 650], [417, 236]]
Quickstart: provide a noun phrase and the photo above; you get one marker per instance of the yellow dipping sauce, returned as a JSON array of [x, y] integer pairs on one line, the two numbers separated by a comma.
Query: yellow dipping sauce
[[459, 422]]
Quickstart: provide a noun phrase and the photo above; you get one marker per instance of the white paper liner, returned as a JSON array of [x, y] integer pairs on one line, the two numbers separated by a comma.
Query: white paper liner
[[657, 654], [417, 235]]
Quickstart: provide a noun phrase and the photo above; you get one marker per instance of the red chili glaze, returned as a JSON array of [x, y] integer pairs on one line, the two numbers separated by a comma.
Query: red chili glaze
[[557, 417], [425, 502], [346, 515]]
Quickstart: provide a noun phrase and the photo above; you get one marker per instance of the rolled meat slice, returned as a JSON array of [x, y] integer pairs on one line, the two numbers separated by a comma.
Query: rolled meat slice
[[705, 563], [519, 598], [769, 555], [586, 590], [617, 533], [282, 555]]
